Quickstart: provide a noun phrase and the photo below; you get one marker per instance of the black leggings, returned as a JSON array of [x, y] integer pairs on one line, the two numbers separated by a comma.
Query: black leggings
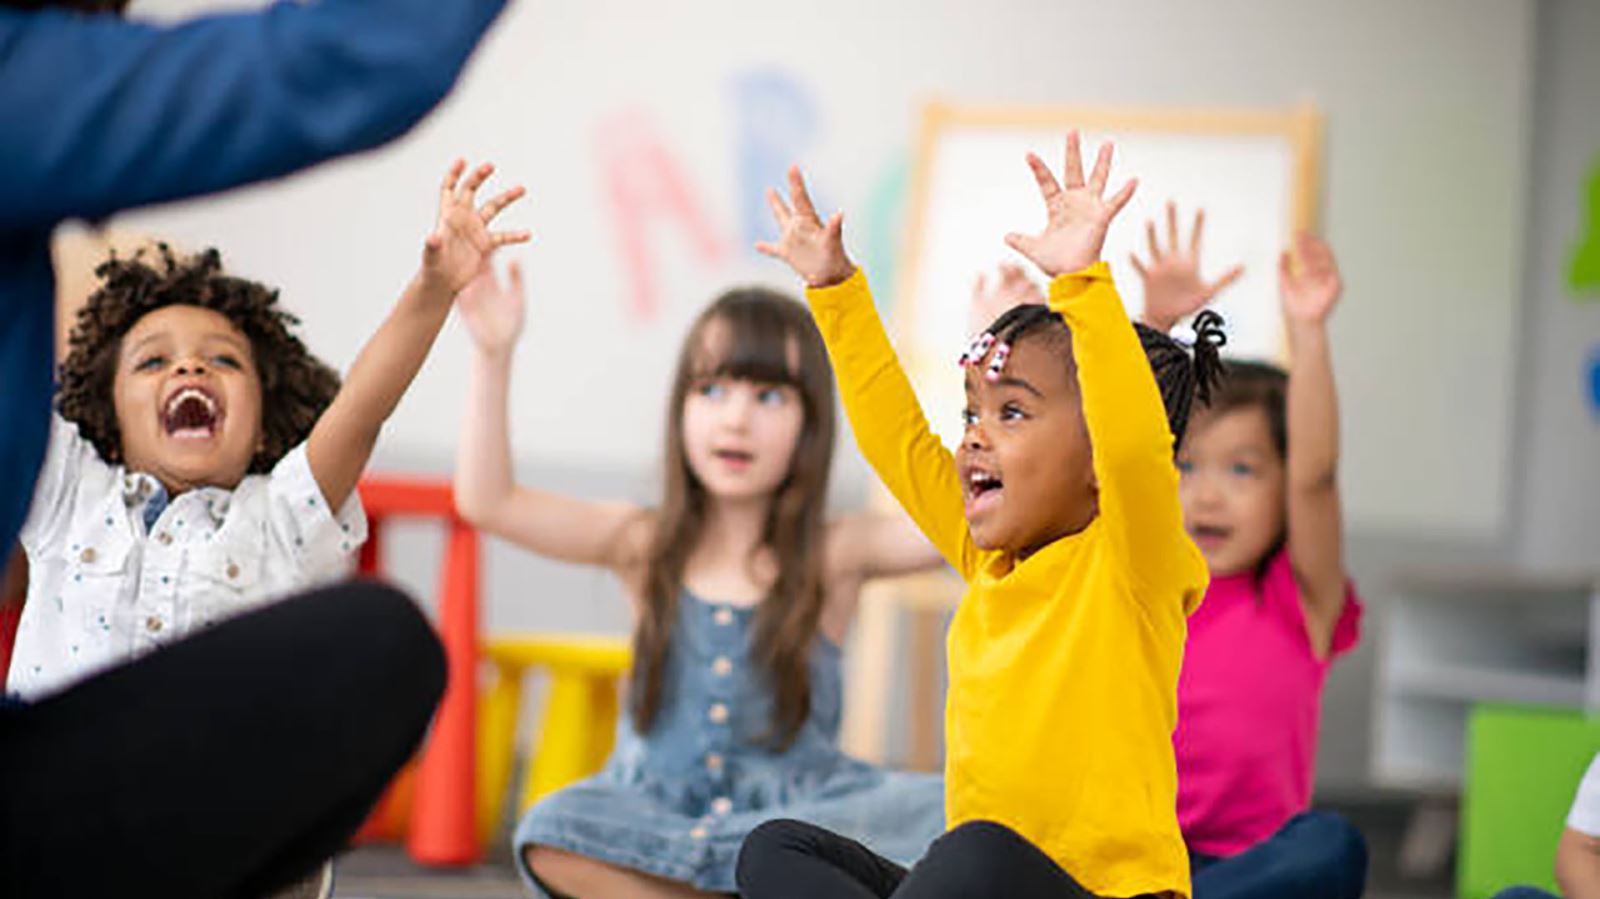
[[226, 765], [783, 859]]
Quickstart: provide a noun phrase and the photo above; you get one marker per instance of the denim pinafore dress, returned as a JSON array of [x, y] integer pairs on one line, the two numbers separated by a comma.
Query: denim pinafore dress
[[677, 802]]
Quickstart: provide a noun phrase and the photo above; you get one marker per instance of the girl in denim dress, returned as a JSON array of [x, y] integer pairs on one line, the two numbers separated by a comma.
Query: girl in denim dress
[[742, 592]]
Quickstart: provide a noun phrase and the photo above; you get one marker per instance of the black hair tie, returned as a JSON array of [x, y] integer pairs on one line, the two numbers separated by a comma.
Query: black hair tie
[[1209, 339]]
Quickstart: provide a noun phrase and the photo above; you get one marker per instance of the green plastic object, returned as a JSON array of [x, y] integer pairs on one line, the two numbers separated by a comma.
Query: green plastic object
[[1523, 765], [1584, 277]]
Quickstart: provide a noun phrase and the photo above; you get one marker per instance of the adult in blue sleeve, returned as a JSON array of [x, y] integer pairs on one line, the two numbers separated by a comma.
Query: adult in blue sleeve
[[232, 763]]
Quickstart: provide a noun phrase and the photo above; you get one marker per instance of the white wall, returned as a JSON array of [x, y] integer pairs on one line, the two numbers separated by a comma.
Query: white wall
[[1558, 452], [1424, 194]]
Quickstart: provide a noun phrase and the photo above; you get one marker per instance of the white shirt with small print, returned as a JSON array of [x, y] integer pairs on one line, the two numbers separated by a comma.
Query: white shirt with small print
[[104, 589], [1585, 814]]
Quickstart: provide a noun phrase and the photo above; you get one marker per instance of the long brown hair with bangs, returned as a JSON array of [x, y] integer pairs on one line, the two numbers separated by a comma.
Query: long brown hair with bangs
[[772, 340]]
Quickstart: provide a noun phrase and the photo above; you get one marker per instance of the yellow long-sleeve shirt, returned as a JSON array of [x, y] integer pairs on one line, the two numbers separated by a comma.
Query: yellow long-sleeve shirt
[[1063, 665]]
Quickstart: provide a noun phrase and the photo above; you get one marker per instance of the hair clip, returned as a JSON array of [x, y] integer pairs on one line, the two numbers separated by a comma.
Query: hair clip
[[977, 349], [997, 362], [1208, 329]]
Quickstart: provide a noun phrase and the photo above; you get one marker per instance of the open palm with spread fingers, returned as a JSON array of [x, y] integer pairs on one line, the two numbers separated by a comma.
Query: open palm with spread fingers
[[1078, 212], [813, 249], [493, 310], [1173, 287], [461, 243], [1309, 280]]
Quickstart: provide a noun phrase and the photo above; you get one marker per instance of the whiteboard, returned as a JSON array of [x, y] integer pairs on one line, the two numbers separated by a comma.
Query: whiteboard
[[1251, 172]]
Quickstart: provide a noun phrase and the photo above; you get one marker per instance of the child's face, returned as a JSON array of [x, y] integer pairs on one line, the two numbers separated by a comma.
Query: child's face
[[1232, 488], [1026, 470], [739, 435], [188, 399]]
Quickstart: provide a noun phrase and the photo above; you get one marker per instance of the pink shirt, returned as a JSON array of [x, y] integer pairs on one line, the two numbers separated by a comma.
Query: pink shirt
[[1249, 700]]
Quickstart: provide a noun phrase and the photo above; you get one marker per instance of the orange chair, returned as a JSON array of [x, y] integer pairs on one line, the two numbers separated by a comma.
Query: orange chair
[[441, 810]]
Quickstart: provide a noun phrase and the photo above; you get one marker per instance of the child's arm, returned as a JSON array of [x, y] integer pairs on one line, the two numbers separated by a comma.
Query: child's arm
[[873, 544], [1310, 284], [1173, 288], [454, 253], [883, 411], [613, 535], [1578, 865], [1122, 407]]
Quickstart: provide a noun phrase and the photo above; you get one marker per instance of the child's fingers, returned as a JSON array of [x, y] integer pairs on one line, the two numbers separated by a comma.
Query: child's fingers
[[1022, 243], [1137, 265], [506, 238], [447, 187], [1172, 225], [475, 180], [799, 194], [497, 205], [1048, 188], [1221, 284], [1072, 172], [1121, 197], [514, 272], [769, 249], [1199, 226], [835, 228], [1155, 245], [1102, 168], [780, 209]]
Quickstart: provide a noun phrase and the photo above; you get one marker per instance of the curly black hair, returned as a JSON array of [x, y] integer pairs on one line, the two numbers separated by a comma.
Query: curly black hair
[[295, 386], [1184, 374]]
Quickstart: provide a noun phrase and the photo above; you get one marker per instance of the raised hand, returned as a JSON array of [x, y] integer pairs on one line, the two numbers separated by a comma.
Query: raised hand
[[1010, 287], [1173, 287], [1308, 279], [1078, 213], [493, 311], [814, 250], [459, 248]]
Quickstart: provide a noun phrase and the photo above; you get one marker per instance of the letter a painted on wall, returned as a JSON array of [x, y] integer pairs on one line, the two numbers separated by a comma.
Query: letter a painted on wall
[[646, 187]]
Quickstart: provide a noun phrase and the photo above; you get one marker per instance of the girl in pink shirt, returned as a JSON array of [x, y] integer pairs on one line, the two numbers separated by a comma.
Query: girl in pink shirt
[[1260, 498]]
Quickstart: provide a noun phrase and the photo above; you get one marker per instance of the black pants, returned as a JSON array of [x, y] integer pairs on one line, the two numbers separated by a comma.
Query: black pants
[[225, 765], [783, 859]]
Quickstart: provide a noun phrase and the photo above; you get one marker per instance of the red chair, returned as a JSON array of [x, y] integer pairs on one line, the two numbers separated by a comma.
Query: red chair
[[440, 804]]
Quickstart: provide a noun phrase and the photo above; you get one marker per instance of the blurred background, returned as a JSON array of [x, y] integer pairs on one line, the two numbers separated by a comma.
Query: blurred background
[[1459, 184]]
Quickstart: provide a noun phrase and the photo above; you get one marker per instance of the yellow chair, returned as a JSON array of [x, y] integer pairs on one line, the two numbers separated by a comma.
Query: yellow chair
[[575, 732]]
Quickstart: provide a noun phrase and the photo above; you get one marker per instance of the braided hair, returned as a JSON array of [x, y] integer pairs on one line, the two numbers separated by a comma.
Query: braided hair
[[1183, 374]]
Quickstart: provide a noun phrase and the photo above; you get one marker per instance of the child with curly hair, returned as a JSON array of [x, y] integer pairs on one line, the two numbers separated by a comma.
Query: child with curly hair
[[203, 462]]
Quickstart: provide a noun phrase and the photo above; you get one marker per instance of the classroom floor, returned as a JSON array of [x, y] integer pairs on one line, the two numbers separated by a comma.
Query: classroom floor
[[386, 873]]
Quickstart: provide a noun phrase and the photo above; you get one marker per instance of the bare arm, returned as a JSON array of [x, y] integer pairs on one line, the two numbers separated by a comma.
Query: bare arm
[[1578, 865], [613, 535], [1310, 290], [877, 544], [342, 440]]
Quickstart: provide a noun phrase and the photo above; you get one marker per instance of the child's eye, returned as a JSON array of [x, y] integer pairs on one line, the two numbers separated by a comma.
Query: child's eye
[[1185, 466], [711, 389], [149, 363], [772, 396], [1012, 412], [969, 417], [226, 361], [1243, 470]]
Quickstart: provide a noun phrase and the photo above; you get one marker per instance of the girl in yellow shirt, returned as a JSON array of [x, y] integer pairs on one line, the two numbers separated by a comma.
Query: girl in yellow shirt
[[1060, 510]]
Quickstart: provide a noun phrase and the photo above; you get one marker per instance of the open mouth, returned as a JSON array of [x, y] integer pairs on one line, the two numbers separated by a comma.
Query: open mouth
[[1210, 535], [191, 413], [983, 488], [734, 458]]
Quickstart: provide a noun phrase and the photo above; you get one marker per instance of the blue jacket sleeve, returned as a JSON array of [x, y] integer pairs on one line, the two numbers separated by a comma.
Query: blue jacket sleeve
[[102, 114]]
